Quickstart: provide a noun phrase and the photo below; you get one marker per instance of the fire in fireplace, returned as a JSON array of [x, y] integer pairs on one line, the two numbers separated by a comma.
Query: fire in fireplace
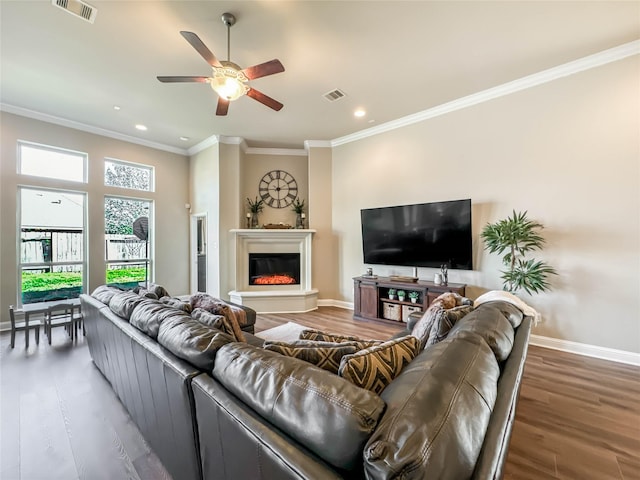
[[274, 268]]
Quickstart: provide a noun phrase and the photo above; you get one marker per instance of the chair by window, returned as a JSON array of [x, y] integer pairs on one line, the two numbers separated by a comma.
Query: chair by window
[[22, 326], [59, 316]]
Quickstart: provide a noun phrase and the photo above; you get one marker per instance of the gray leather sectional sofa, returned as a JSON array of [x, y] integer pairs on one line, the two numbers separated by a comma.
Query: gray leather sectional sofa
[[249, 413]]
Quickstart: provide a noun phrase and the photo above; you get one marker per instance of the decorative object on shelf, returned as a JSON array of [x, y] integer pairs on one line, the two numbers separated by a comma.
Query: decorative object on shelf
[[255, 207], [248, 219], [369, 272], [391, 293], [298, 207], [401, 295], [276, 226], [413, 296], [445, 274], [437, 279], [278, 189], [400, 278], [517, 235]]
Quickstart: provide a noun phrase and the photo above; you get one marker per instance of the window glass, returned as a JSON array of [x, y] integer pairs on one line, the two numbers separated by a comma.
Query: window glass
[[51, 245], [51, 162], [128, 175], [127, 245]]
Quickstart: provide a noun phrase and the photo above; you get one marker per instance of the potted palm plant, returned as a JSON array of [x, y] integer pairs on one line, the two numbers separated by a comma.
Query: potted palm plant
[[298, 207], [255, 207], [517, 236], [413, 296]]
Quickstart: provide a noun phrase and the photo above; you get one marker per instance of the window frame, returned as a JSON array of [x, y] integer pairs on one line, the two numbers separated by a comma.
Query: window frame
[[50, 148]]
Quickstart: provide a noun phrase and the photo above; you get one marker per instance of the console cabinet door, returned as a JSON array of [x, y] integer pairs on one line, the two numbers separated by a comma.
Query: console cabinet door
[[368, 300]]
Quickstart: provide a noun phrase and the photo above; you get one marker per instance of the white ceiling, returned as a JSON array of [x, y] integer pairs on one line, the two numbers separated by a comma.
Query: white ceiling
[[391, 58]]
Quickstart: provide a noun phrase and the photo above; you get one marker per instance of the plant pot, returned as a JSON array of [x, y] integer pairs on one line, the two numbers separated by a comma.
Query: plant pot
[[254, 220], [401, 299], [414, 300], [391, 297]]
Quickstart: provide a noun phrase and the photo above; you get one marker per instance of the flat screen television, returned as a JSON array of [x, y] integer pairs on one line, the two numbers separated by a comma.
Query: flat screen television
[[420, 235]]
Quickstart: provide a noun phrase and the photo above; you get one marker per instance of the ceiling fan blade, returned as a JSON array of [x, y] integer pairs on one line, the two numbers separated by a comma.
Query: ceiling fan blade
[[183, 79], [264, 99], [264, 69], [201, 48], [223, 106]]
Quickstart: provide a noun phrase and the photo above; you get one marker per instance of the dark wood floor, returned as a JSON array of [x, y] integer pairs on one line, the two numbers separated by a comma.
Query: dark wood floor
[[578, 418]]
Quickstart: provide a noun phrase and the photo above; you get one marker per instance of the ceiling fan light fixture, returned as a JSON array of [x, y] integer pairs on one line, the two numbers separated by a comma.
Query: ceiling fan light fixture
[[228, 82]]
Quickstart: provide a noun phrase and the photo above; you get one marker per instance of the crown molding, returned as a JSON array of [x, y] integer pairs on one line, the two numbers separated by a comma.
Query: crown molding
[[63, 122], [530, 81], [317, 144], [230, 140], [276, 151], [203, 145]]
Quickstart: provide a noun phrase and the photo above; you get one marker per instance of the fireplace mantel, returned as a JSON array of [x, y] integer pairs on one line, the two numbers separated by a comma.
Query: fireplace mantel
[[274, 298]]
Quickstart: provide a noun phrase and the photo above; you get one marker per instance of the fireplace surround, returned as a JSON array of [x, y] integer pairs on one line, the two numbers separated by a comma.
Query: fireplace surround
[[258, 250]]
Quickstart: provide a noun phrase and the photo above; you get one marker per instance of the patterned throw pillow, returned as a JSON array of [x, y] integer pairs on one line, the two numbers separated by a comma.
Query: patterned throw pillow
[[444, 323], [320, 336], [325, 355], [374, 368]]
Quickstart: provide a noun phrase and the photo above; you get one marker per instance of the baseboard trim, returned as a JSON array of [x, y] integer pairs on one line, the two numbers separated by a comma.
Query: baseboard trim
[[604, 353]]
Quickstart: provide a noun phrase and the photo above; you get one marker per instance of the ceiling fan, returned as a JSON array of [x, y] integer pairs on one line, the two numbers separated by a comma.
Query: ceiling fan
[[228, 80]]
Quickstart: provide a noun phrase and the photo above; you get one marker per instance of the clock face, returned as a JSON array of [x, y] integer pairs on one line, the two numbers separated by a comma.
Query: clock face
[[278, 189]]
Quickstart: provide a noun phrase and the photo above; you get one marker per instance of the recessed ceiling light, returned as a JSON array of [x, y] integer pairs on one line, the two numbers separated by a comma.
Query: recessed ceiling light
[[360, 112], [116, 107], [141, 127], [184, 139]]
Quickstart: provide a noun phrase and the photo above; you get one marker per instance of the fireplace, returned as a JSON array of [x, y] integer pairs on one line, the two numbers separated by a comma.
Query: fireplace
[[274, 268]]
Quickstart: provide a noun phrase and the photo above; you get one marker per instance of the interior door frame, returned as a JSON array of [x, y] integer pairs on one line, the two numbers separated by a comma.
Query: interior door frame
[[193, 250]]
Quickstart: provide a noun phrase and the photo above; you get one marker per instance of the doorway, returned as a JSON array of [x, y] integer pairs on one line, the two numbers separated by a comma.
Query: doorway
[[199, 253]]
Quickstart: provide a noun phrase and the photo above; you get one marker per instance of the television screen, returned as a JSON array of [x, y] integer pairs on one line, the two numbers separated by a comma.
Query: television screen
[[421, 235]]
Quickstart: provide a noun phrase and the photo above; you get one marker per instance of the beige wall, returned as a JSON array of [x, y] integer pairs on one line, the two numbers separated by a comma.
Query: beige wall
[[566, 151], [255, 166], [204, 179], [171, 193], [325, 242]]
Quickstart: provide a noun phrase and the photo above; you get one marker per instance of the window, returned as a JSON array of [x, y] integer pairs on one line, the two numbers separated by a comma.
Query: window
[[51, 244], [51, 162], [128, 175], [127, 245]]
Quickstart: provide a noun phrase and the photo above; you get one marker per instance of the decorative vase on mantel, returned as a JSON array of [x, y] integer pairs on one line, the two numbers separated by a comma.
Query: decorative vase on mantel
[[254, 220], [299, 220]]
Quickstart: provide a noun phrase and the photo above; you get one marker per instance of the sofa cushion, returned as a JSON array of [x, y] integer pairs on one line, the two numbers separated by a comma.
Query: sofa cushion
[[491, 323], [327, 414], [105, 293], [375, 367], [191, 340], [217, 321], [443, 323], [218, 307], [325, 355], [208, 318], [123, 303], [176, 303], [438, 410], [320, 336], [146, 316]]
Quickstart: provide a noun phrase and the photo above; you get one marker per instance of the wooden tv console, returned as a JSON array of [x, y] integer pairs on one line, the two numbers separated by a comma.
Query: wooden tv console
[[371, 297]]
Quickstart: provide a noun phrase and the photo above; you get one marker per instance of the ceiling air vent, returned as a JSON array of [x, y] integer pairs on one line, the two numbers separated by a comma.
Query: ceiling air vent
[[77, 8], [334, 95]]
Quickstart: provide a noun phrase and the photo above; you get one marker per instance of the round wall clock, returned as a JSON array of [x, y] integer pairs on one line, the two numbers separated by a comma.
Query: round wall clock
[[278, 189]]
